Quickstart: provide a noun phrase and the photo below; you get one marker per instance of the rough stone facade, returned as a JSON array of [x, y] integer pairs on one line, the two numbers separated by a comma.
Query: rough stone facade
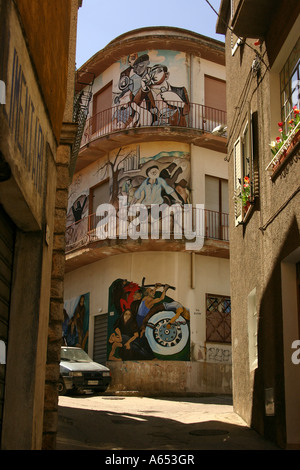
[[36, 137], [264, 236]]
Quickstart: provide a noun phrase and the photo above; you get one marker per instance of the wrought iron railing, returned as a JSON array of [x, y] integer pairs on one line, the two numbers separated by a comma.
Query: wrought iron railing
[[121, 117], [214, 225], [80, 112]]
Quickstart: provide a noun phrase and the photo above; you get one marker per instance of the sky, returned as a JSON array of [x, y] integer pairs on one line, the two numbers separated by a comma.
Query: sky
[[101, 21]]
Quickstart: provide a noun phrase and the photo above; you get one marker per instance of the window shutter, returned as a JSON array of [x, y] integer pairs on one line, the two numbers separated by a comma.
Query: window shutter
[[250, 151], [237, 181]]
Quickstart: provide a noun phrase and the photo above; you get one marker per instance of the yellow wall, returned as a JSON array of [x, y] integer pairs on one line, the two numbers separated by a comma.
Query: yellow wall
[[47, 27]]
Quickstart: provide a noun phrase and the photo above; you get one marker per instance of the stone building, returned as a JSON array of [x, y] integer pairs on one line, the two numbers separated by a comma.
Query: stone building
[[155, 138], [262, 68], [37, 135]]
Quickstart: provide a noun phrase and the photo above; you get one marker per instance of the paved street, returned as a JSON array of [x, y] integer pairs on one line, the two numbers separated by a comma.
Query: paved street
[[141, 423]]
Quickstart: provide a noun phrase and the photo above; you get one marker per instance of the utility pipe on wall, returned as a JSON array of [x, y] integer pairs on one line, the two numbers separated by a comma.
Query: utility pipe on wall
[[193, 271]]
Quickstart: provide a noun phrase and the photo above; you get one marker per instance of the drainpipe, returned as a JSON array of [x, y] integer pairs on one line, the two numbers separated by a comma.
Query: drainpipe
[[193, 270]]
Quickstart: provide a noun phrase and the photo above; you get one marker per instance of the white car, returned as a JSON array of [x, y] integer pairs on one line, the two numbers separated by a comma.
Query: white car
[[79, 373]]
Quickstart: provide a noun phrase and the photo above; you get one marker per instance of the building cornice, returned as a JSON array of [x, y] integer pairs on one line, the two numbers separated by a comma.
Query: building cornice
[[157, 38]]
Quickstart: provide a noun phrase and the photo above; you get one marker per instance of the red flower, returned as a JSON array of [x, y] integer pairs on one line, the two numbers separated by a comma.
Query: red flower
[[280, 130], [257, 43], [280, 124], [277, 139]]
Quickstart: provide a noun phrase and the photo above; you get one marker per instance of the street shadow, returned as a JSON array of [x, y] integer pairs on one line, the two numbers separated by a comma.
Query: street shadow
[[86, 429]]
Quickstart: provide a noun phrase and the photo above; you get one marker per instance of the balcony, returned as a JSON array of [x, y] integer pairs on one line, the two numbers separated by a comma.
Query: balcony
[[124, 124], [85, 242]]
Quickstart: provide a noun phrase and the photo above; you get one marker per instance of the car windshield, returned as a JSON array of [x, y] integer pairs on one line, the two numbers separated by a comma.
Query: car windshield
[[74, 355]]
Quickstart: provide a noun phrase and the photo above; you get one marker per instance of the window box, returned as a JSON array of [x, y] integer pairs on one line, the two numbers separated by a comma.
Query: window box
[[286, 150]]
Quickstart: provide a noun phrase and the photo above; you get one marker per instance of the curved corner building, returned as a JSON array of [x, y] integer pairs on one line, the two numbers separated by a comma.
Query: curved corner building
[[147, 244]]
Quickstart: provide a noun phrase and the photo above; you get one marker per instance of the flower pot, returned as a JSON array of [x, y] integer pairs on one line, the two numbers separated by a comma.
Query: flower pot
[[246, 207]]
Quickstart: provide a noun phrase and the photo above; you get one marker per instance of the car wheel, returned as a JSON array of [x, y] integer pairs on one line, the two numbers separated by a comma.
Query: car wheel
[[61, 387]]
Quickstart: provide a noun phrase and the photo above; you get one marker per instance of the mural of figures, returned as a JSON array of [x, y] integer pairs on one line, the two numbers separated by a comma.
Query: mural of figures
[[140, 173], [145, 323], [76, 321], [76, 220], [155, 179], [145, 95], [160, 179]]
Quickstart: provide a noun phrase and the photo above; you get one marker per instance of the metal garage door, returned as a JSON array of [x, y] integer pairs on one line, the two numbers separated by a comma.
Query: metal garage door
[[7, 240], [100, 338]]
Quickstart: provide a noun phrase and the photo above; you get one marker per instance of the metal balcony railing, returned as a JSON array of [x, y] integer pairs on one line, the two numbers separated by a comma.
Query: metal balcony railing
[[121, 117], [213, 225]]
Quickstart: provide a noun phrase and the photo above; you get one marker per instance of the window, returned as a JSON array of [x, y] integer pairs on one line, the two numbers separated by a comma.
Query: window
[[215, 102], [218, 318], [216, 208], [215, 93], [243, 171], [237, 181], [102, 108], [99, 194], [290, 85]]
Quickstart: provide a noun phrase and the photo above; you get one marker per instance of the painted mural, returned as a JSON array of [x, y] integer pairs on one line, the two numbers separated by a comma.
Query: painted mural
[[76, 321], [150, 91], [156, 179], [145, 323], [130, 173], [143, 177], [77, 221]]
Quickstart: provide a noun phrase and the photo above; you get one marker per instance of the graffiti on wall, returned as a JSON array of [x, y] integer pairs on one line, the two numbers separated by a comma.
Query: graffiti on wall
[[76, 321], [145, 323], [146, 95]]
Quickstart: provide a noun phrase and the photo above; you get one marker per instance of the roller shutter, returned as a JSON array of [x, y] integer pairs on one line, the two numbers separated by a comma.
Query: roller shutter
[[100, 338]]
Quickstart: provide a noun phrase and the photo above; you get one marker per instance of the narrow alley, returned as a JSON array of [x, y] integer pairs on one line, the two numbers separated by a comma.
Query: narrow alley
[[122, 423]]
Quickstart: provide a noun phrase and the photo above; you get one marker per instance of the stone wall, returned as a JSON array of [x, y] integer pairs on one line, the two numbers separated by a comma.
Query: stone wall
[[56, 300], [170, 378]]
